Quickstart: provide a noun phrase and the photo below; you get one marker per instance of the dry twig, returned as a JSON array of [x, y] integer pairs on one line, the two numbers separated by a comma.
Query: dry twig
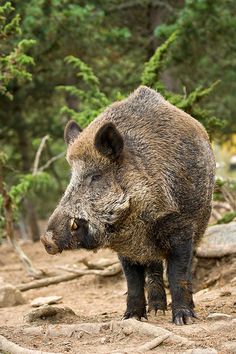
[[49, 162], [46, 281], [7, 207], [99, 264], [38, 154], [109, 271]]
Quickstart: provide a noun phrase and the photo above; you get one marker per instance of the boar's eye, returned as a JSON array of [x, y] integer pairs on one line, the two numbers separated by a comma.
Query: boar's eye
[[95, 177]]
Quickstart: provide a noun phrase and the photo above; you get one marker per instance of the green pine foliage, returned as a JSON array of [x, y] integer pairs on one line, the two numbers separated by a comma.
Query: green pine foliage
[[14, 66], [152, 69], [189, 102], [91, 99], [14, 60], [62, 60], [205, 53]]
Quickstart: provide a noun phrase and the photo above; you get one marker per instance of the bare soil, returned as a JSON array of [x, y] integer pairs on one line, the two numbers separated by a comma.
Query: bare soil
[[96, 299]]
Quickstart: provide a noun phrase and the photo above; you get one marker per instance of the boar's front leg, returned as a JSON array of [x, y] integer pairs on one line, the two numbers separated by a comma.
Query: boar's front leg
[[179, 275], [136, 303], [155, 287]]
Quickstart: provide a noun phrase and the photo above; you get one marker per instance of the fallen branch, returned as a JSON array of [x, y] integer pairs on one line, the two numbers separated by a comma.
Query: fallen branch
[[107, 272], [46, 281], [9, 347]]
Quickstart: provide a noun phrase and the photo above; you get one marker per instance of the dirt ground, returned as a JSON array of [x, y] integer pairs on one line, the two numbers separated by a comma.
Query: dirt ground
[[96, 299]]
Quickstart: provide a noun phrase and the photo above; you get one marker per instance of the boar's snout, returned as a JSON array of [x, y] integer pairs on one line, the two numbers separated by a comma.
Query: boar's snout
[[49, 243]]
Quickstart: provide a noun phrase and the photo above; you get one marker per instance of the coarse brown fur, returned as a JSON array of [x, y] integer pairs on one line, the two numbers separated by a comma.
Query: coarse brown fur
[[167, 168], [156, 194]]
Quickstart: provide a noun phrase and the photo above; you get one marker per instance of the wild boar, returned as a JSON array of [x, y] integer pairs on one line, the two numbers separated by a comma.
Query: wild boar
[[141, 185]]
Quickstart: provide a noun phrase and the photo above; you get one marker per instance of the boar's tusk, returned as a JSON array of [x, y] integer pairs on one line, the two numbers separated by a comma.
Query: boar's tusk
[[73, 225]]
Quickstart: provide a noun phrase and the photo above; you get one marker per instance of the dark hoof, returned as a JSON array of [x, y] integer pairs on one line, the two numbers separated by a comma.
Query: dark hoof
[[155, 307], [138, 314], [183, 317], [156, 303]]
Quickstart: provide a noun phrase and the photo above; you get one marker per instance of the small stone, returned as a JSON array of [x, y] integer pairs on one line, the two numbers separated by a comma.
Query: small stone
[[103, 340], [51, 313], [45, 300], [218, 316], [10, 295]]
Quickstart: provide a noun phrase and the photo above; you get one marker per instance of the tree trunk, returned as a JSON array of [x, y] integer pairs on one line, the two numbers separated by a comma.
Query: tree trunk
[[158, 14], [31, 215], [32, 220]]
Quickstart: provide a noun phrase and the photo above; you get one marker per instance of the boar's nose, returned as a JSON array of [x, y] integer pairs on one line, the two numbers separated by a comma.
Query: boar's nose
[[49, 243]]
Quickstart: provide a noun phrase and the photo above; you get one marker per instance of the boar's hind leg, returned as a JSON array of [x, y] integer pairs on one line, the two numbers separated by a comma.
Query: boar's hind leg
[[179, 275], [155, 287], [136, 303]]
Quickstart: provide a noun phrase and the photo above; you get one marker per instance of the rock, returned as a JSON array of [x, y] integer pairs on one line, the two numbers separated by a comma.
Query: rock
[[218, 316], [231, 346], [218, 241], [10, 295], [201, 351], [52, 314], [46, 300]]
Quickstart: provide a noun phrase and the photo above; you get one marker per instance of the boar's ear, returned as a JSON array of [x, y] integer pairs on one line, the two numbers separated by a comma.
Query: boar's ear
[[71, 131], [108, 141]]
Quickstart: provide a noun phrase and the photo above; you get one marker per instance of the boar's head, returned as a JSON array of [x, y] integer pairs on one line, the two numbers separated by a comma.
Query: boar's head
[[95, 202]]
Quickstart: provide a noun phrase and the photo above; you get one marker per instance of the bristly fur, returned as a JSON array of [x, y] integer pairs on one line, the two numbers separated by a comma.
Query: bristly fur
[[166, 169], [142, 182]]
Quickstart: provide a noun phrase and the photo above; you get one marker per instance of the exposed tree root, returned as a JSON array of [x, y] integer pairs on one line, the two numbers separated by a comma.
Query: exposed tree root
[[9, 347], [152, 330], [144, 328]]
